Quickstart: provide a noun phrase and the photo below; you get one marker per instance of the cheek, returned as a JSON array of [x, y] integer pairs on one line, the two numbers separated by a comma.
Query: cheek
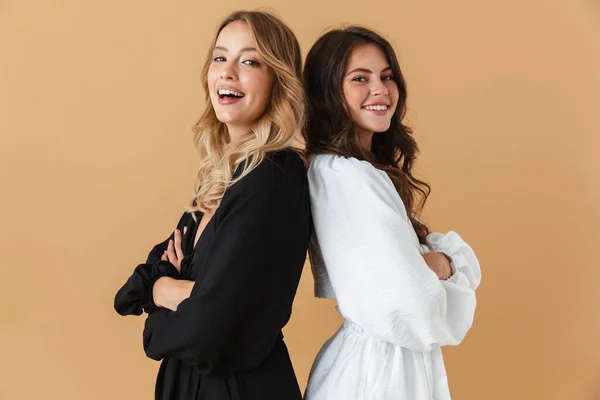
[[393, 91], [260, 84], [212, 77], [354, 96]]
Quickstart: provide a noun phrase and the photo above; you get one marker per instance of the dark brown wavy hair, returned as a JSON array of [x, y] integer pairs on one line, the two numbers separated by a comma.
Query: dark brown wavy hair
[[330, 129]]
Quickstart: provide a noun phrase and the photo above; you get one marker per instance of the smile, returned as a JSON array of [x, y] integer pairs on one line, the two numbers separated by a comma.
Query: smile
[[376, 107], [223, 93]]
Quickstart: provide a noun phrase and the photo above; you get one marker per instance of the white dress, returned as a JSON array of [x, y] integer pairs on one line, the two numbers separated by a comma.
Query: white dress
[[397, 313]]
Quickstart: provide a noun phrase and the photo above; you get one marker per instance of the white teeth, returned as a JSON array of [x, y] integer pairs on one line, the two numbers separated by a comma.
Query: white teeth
[[376, 108], [223, 92]]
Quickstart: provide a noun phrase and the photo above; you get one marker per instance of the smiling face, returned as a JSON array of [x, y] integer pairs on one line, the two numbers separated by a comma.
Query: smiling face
[[370, 90], [239, 81]]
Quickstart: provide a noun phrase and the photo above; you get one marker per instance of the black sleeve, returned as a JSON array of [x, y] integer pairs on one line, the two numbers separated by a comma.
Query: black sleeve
[[136, 294], [234, 316]]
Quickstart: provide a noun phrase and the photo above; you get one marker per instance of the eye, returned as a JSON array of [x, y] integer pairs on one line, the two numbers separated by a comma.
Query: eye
[[251, 63], [387, 78], [219, 59], [359, 79]]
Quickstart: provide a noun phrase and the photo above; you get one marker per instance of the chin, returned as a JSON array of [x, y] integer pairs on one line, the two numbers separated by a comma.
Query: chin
[[379, 128], [226, 119], [376, 126]]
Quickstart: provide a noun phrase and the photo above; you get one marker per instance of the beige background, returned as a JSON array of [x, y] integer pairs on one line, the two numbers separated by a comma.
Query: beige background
[[96, 103]]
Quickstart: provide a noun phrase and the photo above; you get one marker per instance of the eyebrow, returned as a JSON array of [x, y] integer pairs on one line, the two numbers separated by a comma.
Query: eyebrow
[[367, 71], [245, 49]]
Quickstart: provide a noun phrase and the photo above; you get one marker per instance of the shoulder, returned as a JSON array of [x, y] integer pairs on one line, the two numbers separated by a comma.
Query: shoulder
[[287, 161], [350, 181], [334, 168], [284, 168]]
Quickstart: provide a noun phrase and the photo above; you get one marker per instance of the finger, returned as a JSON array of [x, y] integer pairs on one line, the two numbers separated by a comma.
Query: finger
[[178, 249], [184, 230], [164, 256], [171, 252]]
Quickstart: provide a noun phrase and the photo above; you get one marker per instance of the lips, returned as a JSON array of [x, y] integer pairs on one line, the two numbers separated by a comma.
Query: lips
[[225, 101]]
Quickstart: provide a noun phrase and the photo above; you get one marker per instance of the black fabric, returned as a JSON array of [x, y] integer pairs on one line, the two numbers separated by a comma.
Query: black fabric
[[224, 342]]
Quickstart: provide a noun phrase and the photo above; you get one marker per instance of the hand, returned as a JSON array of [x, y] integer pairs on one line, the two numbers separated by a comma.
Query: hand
[[174, 253], [169, 293], [440, 264]]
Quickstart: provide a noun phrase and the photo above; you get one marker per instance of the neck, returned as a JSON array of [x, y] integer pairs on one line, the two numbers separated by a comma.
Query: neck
[[236, 133], [366, 139]]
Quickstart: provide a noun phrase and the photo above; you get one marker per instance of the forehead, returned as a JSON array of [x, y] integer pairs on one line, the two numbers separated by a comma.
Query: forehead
[[367, 56], [236, 35]]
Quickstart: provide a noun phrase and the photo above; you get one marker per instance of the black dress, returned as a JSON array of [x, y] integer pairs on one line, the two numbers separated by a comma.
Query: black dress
[[224, 342]]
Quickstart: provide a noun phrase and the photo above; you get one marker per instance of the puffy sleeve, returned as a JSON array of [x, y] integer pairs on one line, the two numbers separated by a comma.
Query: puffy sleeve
[[234, 316], [465, 266], [373, 259], [135, 296]]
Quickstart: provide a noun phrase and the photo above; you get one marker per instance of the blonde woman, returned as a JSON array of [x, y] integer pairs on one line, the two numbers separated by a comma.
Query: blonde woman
[[220, 289]]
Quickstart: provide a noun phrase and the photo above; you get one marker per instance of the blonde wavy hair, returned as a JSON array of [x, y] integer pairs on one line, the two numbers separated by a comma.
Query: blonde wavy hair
[[278, 128]]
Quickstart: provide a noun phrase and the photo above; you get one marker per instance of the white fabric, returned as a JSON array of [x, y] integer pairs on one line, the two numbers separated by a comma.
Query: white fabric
[[397, 313]]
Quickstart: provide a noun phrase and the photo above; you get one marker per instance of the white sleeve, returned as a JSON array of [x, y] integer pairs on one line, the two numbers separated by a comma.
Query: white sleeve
[[465, 266], [377, 272]]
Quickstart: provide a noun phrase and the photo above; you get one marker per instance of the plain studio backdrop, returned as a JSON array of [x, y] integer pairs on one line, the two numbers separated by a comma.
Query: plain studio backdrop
[[97, 99]]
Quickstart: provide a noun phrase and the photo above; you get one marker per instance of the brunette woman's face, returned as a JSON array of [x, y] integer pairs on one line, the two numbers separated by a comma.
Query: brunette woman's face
[[239, 81], [370, 90]]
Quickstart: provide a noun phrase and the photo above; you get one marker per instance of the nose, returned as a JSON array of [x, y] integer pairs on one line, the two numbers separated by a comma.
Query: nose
[[378, 88], [228, 72]]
